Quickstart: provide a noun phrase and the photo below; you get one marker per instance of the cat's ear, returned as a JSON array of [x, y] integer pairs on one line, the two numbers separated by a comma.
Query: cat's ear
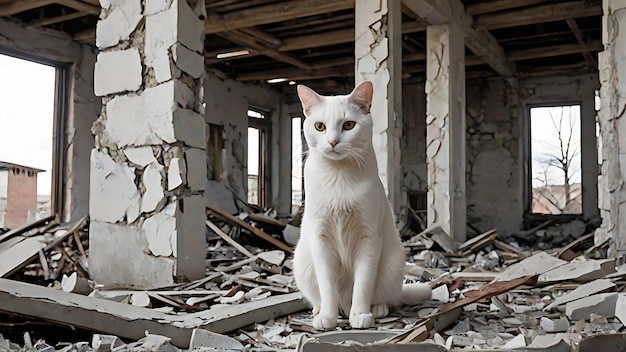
[[361, 96], [309, 98]]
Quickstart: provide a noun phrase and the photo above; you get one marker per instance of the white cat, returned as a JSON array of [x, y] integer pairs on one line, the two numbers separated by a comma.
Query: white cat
[[349, 256]]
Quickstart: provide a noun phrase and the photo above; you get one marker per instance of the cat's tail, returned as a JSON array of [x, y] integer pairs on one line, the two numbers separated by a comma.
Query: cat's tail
[[415, 293]]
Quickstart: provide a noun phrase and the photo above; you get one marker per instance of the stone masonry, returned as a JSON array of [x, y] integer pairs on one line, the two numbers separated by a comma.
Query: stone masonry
[[378, 59], [148, 167], [612, 118]]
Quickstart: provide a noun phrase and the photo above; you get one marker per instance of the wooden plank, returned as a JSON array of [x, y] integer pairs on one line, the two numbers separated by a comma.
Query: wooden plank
[[24, 252], [26, 227], [571, 22], [17, 6], [81, 6], [555, 50], [469, 243], [228, 239], [283, 11], [236, 221], [482, 43], [52, 20], [498, 5], [132, 322], [19, 254], [539, 14]]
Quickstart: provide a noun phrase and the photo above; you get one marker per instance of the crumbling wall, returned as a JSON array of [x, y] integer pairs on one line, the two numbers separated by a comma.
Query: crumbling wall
[[612, 66], [494, 198], [227, 103], [496, 129], [83, 106]]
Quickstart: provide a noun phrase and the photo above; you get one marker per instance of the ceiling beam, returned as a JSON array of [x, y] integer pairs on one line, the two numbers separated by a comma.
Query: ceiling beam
[[498, 5], [80, 6], [17, 6], [582, 41], [246, 40], [45, 21], [557, 50], [283, 11], [483, 44], [539, 14]]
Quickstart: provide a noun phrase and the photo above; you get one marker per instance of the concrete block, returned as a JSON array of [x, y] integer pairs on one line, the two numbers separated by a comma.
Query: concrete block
[[111, 246], [160, 231], [190, 246], [188, 61], [176, 174], [150, 118], [140, 156], [160, 36], [580, 269], [196, 168], [154, 6], [191, 27], [112, 193], [602, 304], [122, 19], [152, 181], [201, 338], [117, 71], [620, 308], [189, 127]]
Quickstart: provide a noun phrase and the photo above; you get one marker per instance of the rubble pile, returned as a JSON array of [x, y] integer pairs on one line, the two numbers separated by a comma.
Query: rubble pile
[[489, 293]]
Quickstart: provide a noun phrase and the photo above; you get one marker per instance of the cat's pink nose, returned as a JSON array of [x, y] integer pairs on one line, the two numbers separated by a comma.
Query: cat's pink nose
[[333, 143]]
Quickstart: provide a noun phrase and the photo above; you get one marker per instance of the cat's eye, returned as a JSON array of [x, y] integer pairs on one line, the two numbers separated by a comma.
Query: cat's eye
[[348, 125], [320, 126]]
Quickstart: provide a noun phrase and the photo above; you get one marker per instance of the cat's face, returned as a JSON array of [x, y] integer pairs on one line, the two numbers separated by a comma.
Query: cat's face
[[338, 127]]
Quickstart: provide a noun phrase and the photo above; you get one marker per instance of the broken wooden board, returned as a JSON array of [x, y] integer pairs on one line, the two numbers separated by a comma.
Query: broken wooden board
[[256, 231], [477, 240], [13, 258], [567, 252], [132, 322], [26, 227]]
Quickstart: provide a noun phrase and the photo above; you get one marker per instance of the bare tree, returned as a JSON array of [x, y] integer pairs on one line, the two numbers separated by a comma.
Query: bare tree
[[559, 157]]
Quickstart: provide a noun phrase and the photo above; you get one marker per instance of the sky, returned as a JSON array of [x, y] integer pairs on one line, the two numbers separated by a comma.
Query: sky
[[545, 141], [26, 116]]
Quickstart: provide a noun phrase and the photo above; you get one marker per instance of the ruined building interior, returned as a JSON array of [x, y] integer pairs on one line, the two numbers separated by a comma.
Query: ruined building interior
[[156, 102]]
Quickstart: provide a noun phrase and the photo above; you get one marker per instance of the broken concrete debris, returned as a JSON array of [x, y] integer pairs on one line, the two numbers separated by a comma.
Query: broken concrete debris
[[488, 293]]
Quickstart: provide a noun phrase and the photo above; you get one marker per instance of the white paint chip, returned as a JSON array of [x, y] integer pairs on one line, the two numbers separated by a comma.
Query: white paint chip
[[176, 174], [117, 71], [159, 231], [112, 193], [154, 190], [140, 156], [123, 18]]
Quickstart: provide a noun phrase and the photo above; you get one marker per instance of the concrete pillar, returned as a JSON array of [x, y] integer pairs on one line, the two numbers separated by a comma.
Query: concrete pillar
[[148, 167], [378, 58], [445, 128], [612, 67]]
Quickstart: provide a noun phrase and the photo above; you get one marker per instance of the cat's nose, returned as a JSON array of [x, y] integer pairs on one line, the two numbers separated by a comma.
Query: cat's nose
[[333, 143]]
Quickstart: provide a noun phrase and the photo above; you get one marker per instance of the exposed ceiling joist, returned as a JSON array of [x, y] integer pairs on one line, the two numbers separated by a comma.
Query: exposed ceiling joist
[[81, 6], [581, 40], [11, 8], [250, 42], [542, 52], [498, 5], [539, 14], [483, 44], [51, 20], [216, 23]]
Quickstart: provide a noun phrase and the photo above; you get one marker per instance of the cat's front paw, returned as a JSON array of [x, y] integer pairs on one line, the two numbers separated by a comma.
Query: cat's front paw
[[324, 321], [361, 320], [380, 310]]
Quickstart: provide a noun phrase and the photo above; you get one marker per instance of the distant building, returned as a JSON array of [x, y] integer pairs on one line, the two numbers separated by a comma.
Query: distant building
[[18, 194]]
